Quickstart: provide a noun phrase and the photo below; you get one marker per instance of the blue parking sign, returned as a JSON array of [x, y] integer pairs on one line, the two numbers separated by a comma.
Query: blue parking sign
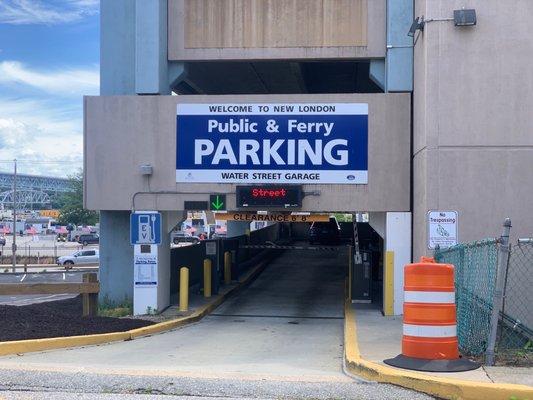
[[145, 227]]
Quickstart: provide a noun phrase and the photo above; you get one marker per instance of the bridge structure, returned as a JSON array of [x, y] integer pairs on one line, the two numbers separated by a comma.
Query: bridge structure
[[32, 190]]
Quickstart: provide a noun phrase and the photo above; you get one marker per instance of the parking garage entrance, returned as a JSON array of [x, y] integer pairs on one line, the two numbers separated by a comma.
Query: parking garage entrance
[[352, 248]]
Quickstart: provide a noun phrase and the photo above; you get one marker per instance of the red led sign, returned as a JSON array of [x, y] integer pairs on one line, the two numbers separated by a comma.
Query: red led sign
[[269, 196], [261, 192]]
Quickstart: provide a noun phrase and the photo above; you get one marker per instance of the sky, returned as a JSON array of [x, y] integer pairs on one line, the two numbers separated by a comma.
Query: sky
[[49, 59]]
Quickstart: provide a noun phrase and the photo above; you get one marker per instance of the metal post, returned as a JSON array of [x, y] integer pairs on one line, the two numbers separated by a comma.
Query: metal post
[[503, 260], [350, 259], [207, 277], [14, 244], [227, 267], [184, 289], [234, 264], [217, 267]]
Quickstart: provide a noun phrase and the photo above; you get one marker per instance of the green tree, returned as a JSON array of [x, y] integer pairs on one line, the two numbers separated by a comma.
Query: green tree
[[72, 211]]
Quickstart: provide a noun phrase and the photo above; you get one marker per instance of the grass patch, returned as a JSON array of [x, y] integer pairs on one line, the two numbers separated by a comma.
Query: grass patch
[[109, 308], [115, 312]]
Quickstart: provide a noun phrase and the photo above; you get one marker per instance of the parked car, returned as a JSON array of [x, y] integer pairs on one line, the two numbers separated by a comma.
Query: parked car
[[2, 241], [79, 257], [325, 232], [89, 238], [183, 237]]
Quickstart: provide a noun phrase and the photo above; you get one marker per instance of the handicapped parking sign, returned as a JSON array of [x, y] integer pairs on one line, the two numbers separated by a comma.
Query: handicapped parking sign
[[145, 227]]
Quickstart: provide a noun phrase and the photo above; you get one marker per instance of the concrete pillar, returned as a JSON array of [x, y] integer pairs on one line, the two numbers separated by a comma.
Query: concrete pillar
[[151, 61], [237, 228], [133, 55], [395, 72], [399, 59], [398, 240], [116, 257], [117, 47]]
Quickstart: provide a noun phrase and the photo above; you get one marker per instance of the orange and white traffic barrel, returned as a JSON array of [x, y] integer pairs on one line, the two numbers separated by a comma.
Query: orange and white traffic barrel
[[429, 341], [429, 317]]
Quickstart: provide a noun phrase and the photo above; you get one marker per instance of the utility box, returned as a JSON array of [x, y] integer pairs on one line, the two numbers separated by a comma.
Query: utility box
[[361, 274]]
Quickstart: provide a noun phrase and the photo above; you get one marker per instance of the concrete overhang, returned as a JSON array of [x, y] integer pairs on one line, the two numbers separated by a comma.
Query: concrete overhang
[[276, 29], [123, 132]]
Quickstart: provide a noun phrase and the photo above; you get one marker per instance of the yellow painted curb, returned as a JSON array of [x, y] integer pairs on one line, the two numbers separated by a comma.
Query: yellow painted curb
[[446, 388], [27, 346], [32, 345]]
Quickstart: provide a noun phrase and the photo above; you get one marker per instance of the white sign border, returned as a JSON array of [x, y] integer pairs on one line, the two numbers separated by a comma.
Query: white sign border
[[334, 177]]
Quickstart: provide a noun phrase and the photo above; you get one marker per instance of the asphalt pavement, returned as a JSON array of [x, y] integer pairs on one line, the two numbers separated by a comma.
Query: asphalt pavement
[[10, 395], [281, 337]]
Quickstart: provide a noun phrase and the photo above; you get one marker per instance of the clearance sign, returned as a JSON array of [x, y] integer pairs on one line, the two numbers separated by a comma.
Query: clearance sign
[[273, 217], [272, 143]]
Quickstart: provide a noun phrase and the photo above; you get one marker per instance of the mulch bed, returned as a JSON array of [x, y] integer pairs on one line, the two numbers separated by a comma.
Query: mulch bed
[[57, 318]]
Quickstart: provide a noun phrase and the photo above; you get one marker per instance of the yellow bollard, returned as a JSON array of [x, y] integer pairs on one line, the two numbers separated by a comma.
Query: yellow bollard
[[184, 289], [207, 277], [227, 267]]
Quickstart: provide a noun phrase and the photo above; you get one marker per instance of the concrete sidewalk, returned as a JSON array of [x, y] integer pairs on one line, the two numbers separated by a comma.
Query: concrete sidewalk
[[380, 338]]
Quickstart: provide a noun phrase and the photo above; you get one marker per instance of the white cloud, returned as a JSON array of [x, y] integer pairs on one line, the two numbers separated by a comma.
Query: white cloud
[[65, 82], [45, 136], [12, 132], [23, 12], [41, 117]]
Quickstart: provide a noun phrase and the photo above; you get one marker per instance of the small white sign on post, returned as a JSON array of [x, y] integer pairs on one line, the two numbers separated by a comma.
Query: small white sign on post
[[210, 248], [145, 278], [442, 229], [145, 270]]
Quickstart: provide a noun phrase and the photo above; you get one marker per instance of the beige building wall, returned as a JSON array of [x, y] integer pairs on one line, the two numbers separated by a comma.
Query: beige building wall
[[123, 132], [275, 29], [473, 119], [249, 23]]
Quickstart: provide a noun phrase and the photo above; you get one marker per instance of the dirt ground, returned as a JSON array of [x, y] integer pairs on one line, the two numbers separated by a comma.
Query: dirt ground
[[57, 318]]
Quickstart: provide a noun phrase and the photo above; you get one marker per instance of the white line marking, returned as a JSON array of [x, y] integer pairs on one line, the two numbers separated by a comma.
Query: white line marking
[[23, 277]]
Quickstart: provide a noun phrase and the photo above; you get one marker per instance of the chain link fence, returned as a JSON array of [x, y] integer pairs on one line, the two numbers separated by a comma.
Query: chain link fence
[[515, 331], [40, 249], [475, 278], [491, 287]]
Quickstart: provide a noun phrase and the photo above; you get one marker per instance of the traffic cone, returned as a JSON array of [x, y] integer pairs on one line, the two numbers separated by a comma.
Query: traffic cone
[[429, 340]]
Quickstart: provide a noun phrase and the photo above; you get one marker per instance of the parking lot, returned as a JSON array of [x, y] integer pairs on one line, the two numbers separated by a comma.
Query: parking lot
[[52, 275], [42, 245]]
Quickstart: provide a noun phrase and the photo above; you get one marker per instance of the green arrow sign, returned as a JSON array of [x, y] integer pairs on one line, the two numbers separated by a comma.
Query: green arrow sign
[[217, 202]]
